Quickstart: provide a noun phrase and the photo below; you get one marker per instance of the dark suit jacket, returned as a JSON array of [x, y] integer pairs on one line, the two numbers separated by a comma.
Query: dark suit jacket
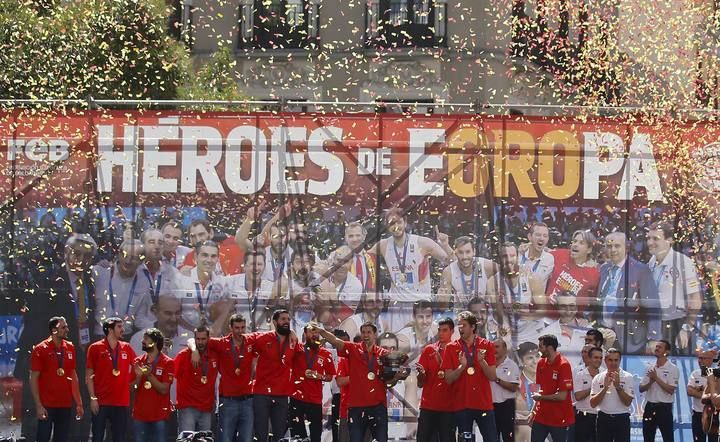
[[637, 318], [45, 296]]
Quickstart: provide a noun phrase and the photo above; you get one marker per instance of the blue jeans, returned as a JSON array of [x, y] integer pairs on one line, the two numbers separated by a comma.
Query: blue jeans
[[360, 419], [192, 419], [236, 419], [118, 417], [485, 420], [58, 423], [540, 433], [150, 431]]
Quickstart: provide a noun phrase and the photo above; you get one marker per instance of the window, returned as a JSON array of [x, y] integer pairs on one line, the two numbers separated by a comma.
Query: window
[[180, 22], [406, 23], [278, 24]]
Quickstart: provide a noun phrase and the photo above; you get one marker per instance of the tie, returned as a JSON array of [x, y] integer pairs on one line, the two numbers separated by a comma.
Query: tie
[[359, 269]]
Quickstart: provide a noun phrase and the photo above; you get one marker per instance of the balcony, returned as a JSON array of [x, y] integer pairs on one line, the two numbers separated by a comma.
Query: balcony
[[405, 23], [278, 24]]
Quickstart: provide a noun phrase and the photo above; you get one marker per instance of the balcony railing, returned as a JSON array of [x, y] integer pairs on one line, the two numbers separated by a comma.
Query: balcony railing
[[278, 24]]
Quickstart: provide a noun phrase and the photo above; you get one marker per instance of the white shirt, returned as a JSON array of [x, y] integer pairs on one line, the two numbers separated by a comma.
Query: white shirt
[[130, 298], [583, 381], [669, 374], [611, 403], [697, 380], [507, 371], [675, 277], [541, 267], [188, 289], [406, 265], [350, 292]]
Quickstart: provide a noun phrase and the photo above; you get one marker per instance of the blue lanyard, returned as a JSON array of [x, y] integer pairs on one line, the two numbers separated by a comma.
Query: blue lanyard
[[470, 356], [370, 359], [132, 291], [309, 359], [537, 263], [277, 274], [198, 292], [473, 280], [154, 286]]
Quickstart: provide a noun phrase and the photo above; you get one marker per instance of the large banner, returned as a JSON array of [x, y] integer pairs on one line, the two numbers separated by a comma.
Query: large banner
[[536, 225]]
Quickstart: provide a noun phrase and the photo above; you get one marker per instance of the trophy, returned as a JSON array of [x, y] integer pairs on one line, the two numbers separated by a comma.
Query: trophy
[[393, 364]]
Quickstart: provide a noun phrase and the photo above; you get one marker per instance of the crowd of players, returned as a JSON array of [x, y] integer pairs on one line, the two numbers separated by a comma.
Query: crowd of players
[[266, 284]]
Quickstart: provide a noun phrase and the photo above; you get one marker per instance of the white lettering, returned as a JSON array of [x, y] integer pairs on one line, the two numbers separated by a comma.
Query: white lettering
[[419, 162]]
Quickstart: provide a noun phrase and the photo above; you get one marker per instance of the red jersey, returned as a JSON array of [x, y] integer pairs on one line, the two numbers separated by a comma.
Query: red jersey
[[111, 390], [569, 277], [553, 378], [274, 365], [191, 390], [473, 391], [151, 405], [230, 256], [437, 395], [55, 387], [231, 358], [342, 371], [363, 391], [320, 360]]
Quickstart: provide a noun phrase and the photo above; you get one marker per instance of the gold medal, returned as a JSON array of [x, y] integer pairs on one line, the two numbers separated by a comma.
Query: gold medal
[[371, 376], [60, 372], [203, 379], [144, 369], [471, 371], [441, 374], [147, 385], [402, 278], [237, 371], [116, 372]]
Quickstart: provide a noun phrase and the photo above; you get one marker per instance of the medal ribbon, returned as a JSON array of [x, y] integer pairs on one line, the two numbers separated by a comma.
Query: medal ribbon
[[473, 281], [237, 358], [114, 357], [198, 292], [470, 357], [60, 356], [535, 267], [369, 360], [309, 359], [154, 286], [153, 366], [401, 263], [204, 363], [284, 346]]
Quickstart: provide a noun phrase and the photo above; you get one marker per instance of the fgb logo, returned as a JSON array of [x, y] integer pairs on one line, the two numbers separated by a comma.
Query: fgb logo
[[38, 150]]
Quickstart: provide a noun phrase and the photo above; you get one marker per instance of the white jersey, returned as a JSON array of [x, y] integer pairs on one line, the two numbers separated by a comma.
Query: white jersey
[[519, 292], [669, 374], [251, 305], [507, 371], [197, 299], [467, 287], [409, 271], [675, 277], [127, 298], [697, 380], [583, 381], [274, 269]]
